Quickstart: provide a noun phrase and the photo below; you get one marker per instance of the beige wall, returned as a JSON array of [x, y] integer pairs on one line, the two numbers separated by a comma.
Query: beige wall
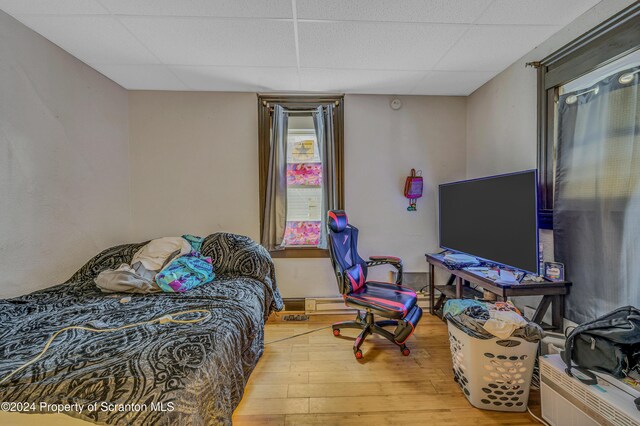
[[194, 168], [501, 115], [194, 163], [66, 134], [64, 172], [381, 148]]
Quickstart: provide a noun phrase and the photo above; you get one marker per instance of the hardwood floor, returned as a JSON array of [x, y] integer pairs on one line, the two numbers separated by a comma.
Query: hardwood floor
[[315, 380]]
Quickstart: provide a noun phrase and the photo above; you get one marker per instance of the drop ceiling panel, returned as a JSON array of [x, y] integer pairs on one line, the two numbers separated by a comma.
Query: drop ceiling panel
[[221, 8], [369, 45], [52, 7], [238, 79], [92, 39], [209, 41], [141, 77], [425, 47], [359, 81], [460, 83], [493, 48], [443, 11], [538, 12]]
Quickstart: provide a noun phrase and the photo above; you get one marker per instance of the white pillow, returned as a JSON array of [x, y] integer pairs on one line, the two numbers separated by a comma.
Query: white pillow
[[156, 252]]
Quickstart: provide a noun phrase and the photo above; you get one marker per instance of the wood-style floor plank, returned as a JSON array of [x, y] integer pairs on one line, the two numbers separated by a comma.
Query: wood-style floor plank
[[371, 389], [315, 380], [440, 417], [262, 406]]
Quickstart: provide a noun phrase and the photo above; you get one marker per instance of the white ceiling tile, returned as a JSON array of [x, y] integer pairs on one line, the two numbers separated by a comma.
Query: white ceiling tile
[[368, 45], [141, 77], [221, 8], [538, 12], [92, 39], [210, 41], [239, 79], [359, 81], [354, 46], [487, 48], [444, 11], [52, 7], [451, 83]]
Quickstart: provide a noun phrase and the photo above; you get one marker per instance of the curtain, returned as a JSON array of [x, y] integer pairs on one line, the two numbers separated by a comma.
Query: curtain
[[275, 209], [597, 195], [323, 123]]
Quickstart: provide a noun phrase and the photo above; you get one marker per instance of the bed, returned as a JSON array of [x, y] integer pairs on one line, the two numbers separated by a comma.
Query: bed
[[160, 373]]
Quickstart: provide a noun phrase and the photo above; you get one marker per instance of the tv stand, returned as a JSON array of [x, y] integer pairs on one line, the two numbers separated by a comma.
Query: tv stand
[[458, 286]]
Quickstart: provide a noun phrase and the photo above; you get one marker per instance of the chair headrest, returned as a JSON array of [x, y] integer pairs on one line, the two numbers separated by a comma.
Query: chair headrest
[[337, 220]]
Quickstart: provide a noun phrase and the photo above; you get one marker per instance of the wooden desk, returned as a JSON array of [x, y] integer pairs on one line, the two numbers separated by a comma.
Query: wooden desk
[[552, 292]]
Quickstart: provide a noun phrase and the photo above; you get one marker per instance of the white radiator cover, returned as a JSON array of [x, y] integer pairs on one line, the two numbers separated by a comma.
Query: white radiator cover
[[335, 305], [568, 401]]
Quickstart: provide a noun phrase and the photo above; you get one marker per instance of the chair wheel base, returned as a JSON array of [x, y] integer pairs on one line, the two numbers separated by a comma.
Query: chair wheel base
[[368, 326]]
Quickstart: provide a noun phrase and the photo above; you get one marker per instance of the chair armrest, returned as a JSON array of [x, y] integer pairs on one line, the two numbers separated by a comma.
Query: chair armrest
[[385, 259], [396, 262]]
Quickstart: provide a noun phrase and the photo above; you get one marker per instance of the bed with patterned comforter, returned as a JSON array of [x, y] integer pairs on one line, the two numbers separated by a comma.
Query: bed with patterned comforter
[[153, 374]]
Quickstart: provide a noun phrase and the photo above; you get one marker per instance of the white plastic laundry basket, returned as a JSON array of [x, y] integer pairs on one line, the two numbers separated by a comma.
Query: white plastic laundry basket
[[493, 374]]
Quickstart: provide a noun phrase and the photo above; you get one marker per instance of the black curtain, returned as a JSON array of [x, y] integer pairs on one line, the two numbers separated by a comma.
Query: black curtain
[[597, 195]]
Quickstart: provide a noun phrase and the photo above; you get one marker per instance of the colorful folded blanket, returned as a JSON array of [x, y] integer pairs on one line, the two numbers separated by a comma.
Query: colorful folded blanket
[[185, 273]]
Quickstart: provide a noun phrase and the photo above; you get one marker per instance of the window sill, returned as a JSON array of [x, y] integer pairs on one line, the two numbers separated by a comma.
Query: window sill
[[302, 252]]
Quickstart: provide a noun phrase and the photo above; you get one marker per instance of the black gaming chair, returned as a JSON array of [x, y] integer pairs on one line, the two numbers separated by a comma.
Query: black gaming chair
[[389, 300]]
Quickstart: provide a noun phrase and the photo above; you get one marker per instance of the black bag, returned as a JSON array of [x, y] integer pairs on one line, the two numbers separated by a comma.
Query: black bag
[[609, 344]]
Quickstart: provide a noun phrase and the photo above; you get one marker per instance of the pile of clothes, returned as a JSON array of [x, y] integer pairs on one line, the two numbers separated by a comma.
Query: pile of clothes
[[491, 319], [169, 264]]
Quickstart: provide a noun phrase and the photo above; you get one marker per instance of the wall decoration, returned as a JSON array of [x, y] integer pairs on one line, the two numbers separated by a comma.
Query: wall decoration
[[413, 188]]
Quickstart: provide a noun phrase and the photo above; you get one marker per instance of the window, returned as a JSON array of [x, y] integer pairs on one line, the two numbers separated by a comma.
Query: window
[[313, 172], [304, 184], [584, 60], [589, 114]]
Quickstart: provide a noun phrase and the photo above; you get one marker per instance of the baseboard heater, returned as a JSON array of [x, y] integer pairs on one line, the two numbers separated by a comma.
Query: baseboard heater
[[566, 401], [336, 306]]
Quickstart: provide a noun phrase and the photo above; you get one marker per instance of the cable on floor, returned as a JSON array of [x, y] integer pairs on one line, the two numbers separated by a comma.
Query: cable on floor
[[537, 418], [160, 320], [298, 335]]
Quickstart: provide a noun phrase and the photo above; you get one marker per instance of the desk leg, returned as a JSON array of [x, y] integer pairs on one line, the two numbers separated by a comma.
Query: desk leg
[[541, 310], [459, 283], [432, 288], [557, 312]]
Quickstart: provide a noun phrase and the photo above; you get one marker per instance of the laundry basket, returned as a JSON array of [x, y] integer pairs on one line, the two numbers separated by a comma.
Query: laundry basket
[[494, 374]]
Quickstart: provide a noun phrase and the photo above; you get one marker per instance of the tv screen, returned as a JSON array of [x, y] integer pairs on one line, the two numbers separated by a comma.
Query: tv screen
[[494, 218]]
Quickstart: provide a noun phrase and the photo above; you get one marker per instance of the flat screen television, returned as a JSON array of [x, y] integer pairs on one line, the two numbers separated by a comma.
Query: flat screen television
[[494, 218]]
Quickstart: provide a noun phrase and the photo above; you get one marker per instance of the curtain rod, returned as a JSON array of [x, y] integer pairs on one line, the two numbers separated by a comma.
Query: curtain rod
[[268, 105]]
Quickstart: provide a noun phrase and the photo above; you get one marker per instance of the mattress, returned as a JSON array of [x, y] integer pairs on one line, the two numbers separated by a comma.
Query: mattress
[[191, 373]]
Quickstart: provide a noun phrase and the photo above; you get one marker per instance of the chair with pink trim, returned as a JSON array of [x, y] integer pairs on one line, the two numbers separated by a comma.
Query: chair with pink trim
[[388, 300]]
